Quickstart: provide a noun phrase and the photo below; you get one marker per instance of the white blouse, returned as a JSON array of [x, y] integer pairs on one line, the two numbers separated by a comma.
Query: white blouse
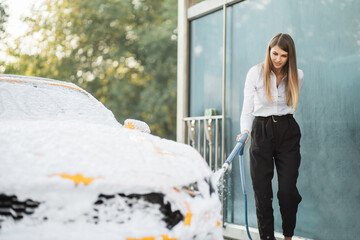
[[255, 101]]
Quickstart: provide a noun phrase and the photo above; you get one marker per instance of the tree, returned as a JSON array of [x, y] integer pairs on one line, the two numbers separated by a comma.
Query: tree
[[121, 51], [3, 16]]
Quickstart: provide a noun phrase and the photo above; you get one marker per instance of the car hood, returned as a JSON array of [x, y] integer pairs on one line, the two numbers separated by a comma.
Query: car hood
[[110, 157]]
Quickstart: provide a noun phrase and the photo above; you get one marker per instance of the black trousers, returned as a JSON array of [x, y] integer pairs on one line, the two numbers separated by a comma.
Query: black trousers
[[275, 140]]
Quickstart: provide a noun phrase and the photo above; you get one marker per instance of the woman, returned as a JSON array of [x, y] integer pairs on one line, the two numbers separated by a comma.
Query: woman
[[271, 96]]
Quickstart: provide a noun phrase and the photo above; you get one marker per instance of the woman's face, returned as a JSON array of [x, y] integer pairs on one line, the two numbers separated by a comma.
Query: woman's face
[[278, 57]]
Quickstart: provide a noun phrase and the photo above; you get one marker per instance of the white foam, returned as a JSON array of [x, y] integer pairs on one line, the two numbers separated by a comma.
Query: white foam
[[47, 131]]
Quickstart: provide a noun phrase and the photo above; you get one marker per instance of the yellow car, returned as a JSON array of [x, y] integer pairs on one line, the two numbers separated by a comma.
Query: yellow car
[[69, 170]]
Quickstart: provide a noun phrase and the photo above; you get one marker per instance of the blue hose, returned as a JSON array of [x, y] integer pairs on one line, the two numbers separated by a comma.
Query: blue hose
[[243, 185]]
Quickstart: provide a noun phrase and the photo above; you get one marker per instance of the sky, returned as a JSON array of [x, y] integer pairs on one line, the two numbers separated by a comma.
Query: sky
[[16, 10]]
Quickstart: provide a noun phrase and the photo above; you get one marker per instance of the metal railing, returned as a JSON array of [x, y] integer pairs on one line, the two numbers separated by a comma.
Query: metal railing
[[205, 134]]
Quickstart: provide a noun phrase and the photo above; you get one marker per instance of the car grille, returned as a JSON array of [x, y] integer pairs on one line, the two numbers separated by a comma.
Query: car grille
[[10, 206], [118, 208], [119, 203]]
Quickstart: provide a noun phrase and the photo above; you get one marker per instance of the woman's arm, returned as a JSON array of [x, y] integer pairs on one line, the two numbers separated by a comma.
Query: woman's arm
[[247, 116]]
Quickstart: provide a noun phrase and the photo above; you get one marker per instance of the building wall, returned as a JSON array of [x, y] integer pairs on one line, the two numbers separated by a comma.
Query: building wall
[[327, 39]]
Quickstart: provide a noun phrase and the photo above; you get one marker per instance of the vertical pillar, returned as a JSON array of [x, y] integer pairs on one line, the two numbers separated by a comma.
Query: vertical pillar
[[182, 68], [224, 85], [223, 132]]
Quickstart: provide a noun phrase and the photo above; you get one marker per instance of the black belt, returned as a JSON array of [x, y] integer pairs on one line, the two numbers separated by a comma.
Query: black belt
[[275, 118]]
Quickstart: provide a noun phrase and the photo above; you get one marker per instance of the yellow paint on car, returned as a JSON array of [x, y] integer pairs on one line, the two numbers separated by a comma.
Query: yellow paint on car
[[42, 82], [145, 238], [188, 215], [130, 125], [77, 179], [165, 237]]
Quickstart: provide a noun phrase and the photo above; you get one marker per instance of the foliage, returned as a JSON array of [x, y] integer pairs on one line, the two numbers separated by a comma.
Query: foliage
[[121, 51], [3, 16]]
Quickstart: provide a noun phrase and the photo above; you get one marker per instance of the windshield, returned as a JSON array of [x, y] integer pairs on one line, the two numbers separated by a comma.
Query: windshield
[[22, 98]]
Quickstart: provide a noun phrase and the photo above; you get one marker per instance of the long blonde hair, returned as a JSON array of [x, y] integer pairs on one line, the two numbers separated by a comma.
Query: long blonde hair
[[286, 43]]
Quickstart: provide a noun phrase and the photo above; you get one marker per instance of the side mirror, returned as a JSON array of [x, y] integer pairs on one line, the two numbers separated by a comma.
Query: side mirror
[[137, 124]]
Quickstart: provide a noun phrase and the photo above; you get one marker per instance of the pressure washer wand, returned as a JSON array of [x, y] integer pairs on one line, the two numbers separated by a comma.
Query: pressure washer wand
[[238, 147]]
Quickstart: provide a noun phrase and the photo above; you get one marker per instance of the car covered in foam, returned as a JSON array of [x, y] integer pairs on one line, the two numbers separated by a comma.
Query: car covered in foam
[[70, 170]]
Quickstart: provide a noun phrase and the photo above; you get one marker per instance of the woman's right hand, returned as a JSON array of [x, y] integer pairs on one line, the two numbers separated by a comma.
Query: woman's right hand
[[239, 136]]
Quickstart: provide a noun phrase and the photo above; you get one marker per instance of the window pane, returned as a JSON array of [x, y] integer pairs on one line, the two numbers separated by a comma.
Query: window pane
[[206, 53]]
